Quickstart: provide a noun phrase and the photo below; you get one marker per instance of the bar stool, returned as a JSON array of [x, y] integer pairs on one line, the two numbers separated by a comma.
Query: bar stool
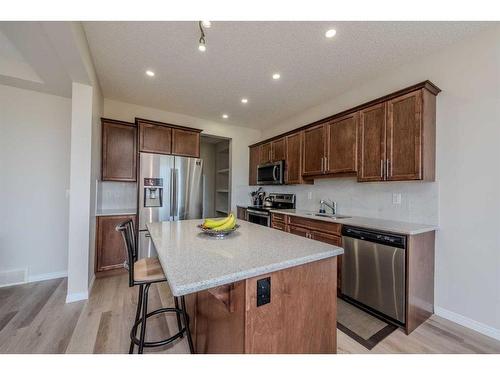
[[144, 272]]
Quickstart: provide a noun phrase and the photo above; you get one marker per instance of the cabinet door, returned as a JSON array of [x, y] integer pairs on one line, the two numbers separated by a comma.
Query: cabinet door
[[404, 137], [110, 248], [371, 143], [313, 151], [342, 145], [298, 231], [265, 153], [185, 143], [293, 158], [155, 138], [119, 151], [241, 213], [278, 149], [254, 160], [327, 238]]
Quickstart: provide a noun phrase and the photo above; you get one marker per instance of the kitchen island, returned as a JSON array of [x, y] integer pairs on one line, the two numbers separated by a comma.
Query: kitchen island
[[257, 291]]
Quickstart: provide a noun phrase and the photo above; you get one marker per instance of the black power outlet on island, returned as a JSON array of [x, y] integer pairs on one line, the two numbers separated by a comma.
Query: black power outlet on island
[[263, 291]]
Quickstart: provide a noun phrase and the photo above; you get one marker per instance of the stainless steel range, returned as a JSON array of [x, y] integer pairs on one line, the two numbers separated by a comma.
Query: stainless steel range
[[262, 215]]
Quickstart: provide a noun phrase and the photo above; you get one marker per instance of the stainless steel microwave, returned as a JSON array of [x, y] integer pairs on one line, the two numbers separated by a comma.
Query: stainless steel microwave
[[271, 174]]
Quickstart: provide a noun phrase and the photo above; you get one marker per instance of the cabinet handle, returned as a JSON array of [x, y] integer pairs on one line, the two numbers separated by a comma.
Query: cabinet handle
[[387, 168], [326, 163], [381, 168], [322, 162]]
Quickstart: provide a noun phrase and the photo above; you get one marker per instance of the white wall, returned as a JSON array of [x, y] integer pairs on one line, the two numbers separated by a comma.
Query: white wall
[[241, 138], [80, 192], [34, 176], [467, 278]]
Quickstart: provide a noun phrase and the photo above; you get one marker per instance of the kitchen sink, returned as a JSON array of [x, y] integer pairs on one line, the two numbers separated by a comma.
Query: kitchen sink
[[328, 215]]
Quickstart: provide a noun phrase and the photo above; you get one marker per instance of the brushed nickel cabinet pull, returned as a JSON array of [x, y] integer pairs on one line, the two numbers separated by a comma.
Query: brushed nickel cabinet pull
[[387, 169], [381, 168], [322, 162]]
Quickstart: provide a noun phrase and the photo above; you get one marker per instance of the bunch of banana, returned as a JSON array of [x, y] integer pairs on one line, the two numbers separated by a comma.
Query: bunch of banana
[[220, 224]]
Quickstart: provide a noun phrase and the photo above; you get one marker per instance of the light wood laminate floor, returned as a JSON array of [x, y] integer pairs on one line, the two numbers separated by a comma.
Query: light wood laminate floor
[[34, 318]]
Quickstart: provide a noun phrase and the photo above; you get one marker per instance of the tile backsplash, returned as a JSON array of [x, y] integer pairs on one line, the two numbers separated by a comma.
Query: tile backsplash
[[419, 200], [116, 195]]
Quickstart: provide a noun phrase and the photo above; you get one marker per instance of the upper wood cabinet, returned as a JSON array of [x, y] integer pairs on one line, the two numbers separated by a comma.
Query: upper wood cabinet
[[392, 138], [161, 138], [119, 151], [265, 153], [254, 161], [155, 138], [397, 139], [293, 158], [185, 143], [404, 138], [314, 150], [342, 145], [371, 143], [278, 149]]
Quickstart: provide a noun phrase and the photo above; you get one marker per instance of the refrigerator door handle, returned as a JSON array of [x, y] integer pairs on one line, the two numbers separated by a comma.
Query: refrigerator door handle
[[172, 187], [175, 202]]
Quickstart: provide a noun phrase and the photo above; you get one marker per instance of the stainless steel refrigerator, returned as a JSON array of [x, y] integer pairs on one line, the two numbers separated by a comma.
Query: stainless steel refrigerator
[[170, 188]]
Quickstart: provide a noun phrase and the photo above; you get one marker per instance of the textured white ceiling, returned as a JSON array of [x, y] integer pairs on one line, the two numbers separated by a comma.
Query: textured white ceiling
[[241, 57]]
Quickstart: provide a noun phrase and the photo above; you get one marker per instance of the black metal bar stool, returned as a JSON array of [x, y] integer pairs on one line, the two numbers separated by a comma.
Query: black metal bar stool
[[144, 272]]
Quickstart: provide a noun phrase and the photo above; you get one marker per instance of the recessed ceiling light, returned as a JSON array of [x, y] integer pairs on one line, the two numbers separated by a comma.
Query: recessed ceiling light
[[244, 100], [206, 24], [202, 47], [224, 115], [276, 76], [331, 33], [150, 73]]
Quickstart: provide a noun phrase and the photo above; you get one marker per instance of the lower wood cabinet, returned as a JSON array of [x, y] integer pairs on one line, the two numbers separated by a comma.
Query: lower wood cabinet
[[110, 248], [241, 213], [278, 221]]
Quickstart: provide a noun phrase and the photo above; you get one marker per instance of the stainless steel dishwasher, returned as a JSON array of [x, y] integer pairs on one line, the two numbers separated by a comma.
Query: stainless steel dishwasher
[[373, 271]]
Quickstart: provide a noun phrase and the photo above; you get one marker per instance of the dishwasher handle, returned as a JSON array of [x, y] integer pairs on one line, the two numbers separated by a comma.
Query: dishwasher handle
[[390, 239]]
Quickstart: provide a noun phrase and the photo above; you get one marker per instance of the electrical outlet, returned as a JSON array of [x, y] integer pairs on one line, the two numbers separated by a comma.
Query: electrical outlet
[[396, 198], [309, 195]]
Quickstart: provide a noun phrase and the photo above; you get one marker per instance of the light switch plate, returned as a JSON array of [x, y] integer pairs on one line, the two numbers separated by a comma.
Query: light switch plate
[[396, 198]]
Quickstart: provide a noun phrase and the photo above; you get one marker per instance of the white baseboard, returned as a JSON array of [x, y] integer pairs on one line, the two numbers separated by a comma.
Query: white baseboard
[[74, 297], [47, 276], [467, 322]]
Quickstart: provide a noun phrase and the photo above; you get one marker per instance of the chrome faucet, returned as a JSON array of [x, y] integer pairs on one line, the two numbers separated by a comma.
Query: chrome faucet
[[332, 206]]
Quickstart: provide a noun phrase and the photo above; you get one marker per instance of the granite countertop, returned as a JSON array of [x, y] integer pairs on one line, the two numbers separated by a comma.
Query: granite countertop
[[392, 226], [116, 211], [193, 261]]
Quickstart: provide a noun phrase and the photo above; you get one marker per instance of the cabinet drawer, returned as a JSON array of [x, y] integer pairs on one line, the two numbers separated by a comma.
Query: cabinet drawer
[[277, 217], [298, 231], [318, 225], [326, 238], [278, 225]]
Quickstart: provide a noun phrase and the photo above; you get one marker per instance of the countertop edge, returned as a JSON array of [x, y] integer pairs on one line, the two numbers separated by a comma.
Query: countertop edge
[[352, 221], [243, 275]]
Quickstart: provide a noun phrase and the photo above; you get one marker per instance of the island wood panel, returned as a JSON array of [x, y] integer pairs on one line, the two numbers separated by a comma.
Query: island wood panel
[[313, 150], [342, 145], [155, 138], [110, 248], [265, 153], [293, 158], [371, 143], [186, 143], [295, 321], [254, 162], [278, 149], [119, 150], [419, 279], [220, 329], [404, 137]]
